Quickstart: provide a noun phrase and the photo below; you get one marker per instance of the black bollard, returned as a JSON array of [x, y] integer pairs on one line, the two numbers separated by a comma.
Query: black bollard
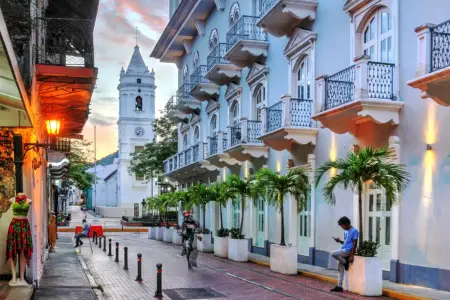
[[125, 258], [139, 268], [96, 237], [117, 252], [100, 243], [93, 237], [109, 254], [158, 292], [104, 244]]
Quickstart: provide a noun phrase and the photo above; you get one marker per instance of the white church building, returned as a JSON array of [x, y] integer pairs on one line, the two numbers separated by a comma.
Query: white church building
[[136, 115]]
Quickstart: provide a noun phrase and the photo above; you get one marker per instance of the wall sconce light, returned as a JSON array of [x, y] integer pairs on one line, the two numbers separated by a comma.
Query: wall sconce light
[[53, 126], [429, 147]]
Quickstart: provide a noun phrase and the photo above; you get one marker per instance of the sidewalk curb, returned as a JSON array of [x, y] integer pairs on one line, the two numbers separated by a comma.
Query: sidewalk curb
[[386, 292], [95, 287]]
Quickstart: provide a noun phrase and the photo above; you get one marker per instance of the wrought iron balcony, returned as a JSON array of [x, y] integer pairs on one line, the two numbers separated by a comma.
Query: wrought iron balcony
[[185, 158], [246, 42], [173, 113], [216, 156], [361, 93], [202, 88], [433, 63], [243, 141], [288, 121], [68, 42], [185, 102], [220, 70], [281, 17], [213, 145]]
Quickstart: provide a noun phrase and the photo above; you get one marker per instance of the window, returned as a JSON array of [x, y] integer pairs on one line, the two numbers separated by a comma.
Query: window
[[304, 79], [213, 39], [378, 37], [196, 135], [213, 126], [138, 149], [234, 113], [138, 103], [139, 90], [234, 14], [196, 59], [259, 101], [185, 142], [185, 74], [138, 80]]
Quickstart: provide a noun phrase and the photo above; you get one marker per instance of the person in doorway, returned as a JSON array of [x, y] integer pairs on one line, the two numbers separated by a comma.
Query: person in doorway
[[344, 256], [83, 233]]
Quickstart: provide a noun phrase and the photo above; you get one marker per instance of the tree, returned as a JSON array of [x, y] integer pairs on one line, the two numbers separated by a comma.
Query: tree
[[273, 188], [221, 194], [201, 196], [80, 159], [368, 165], [243, 189]]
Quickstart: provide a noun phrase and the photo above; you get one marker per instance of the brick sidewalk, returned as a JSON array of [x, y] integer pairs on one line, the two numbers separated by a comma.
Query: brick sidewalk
[[231, 279]]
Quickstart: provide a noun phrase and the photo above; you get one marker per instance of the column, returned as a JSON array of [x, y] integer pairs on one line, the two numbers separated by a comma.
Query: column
[[423, 49], [361, 84], [312, 181], [321, 95], [394, 146], [286, 116]]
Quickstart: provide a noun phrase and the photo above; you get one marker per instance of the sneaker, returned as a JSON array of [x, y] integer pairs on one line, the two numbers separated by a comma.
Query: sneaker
[[81, 243], [337, 289], [76, 246]]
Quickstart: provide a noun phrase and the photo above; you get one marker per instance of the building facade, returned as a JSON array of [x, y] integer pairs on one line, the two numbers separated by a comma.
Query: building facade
[[284, 84]]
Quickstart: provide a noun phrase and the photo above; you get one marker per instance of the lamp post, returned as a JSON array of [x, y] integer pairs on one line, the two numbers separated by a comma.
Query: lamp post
[[143, 207]]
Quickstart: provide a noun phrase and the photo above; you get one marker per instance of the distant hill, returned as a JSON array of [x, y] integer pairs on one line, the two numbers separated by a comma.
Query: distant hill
[[109, 159]]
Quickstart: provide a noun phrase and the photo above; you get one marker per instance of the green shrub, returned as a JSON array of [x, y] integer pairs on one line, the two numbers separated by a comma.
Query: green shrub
[[223, 232], [235, 233], [367, 249]]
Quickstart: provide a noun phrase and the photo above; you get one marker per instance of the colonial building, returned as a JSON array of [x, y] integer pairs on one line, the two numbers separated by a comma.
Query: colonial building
[[296, 83]]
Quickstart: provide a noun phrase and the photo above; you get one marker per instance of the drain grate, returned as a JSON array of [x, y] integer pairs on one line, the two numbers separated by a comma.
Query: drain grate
[[194, 293]]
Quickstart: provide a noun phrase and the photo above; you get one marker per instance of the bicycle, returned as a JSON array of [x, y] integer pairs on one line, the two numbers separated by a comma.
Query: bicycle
[[191, 252]]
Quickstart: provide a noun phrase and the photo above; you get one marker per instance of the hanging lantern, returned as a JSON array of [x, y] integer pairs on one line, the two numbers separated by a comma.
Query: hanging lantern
[[53, 126]]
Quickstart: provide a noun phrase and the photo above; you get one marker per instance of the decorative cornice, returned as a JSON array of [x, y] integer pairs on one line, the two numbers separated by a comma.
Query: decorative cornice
[[212, 107], [257, 72], [233, 91], [299, 40], [195, 119]]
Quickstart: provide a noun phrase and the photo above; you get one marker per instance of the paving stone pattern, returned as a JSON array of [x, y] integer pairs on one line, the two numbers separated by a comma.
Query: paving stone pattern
[[231, 279]]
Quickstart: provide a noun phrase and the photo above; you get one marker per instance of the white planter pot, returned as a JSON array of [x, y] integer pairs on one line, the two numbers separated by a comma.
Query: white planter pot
[[149, 233], [221, 246], [152, 232], [176, 238], [205, 244], [365, 276], [167, 235], [283, 259], [238, 250], [159, 233]]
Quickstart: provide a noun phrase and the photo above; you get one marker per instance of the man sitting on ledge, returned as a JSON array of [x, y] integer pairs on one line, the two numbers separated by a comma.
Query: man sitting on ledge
[[83, 233]]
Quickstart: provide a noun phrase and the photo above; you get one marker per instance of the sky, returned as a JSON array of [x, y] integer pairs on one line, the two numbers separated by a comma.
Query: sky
[[115, 38]]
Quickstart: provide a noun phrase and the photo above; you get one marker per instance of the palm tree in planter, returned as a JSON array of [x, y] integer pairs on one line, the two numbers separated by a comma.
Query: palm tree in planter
[[170, 201], [243, 189], [151, 206], [201, 196], [221, 193], [160, 206], [369, 165], [273, 188]]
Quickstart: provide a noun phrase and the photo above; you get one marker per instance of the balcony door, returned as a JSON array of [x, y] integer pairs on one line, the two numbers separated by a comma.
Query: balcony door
[[304, 230], [304, 79], [378, 37], [259, 101], [196, 135], [213, 126]]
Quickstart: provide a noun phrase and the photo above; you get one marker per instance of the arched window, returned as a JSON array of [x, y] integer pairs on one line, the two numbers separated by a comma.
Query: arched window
[[213, 39], [185, 74], [259, 101], [213, 125], [304, 79], [138, 80], [195, 60], [185, 142], [378, 37], [234, 113], [196, 135], [234, 14], [138, 103]]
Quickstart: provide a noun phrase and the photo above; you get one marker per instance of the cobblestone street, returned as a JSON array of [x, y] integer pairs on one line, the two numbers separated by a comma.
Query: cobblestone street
[[229, 279]]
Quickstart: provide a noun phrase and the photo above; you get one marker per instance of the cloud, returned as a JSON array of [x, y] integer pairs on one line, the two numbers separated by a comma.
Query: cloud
[[101, 120]]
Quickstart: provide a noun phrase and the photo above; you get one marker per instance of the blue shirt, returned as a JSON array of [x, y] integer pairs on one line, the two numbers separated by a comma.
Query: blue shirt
[[349, 236], [86, 229]]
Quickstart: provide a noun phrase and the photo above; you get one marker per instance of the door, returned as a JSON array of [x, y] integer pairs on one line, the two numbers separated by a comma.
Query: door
[[236, 213], [378, 37], [304, 229], [260, 215], [378, 226]]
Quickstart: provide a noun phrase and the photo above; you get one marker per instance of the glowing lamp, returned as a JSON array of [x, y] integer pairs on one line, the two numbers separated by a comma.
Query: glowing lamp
[[53, 126]]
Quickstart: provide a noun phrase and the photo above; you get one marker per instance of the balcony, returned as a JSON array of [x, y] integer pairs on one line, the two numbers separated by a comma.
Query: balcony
[[216, 155], [246, 43], [281, 17], [186, 163], [173, 113], [220, 70], [361, 93], [184, 102], [433, 63], [288, 122], [202, 88], [243, 143]]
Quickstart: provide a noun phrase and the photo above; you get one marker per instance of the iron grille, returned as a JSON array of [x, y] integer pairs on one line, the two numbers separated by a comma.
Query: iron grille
[[266, 5], [340, 88], [188, 157], [183, 93], [236, 135], [380, 79], [171, 103], [167, 166], [196, 152], [60, 145], [301, 110], [440, 46], [68, 42], [198, 76], [225, 140], [175, 160], [254, 131], [216, 57], [213, 145], [245, 29], [274, 116], [181, 160]]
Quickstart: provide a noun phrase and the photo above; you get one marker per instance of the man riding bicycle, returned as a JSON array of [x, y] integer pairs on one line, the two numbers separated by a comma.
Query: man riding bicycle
[[188, 229]]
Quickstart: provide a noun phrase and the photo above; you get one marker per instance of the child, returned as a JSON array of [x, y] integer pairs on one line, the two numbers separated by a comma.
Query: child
[[344, 256]]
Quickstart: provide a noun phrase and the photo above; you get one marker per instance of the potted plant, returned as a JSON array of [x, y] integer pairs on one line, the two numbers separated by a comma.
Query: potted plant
[[273, 188], [170, 201], [151, 207], [159, 206], [221, 194], [237, 246], [221, 243], [201, 196], [365, 276]]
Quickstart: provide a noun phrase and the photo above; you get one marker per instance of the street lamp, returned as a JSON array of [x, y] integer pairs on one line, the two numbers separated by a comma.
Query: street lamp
[[53, 126], [143, 207]]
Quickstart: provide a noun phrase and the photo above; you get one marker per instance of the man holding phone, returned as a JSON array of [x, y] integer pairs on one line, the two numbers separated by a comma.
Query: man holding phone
[[344, 256]]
